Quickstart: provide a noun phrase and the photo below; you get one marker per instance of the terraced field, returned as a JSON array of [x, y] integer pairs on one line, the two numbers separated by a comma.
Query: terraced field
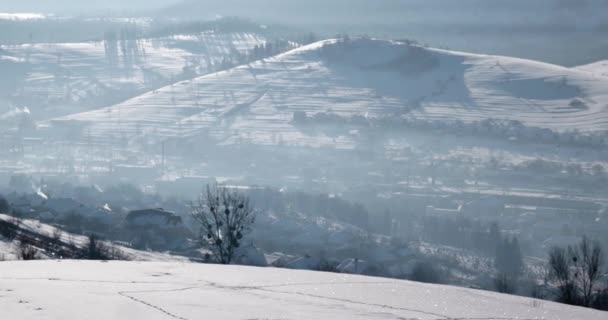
[[362, 77], [63, 78]]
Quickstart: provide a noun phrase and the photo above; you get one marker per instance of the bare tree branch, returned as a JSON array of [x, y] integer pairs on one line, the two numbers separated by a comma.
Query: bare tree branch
[[224, 217]]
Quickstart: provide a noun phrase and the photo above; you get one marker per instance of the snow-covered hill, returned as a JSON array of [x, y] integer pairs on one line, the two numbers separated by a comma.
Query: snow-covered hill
[[9, 249], [73, 77], [598, 68], [137, 290], [365, 77]]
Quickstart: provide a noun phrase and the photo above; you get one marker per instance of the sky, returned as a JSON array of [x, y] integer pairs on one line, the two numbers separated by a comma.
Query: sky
[[275, 6], [81, 6]]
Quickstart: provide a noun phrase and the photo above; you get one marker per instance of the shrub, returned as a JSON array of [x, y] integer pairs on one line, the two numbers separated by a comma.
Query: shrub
[[601, 299], [505, 283], [5, 207], [97, 250], [425, 272], [8, 230], [327, 265], [26, 252]]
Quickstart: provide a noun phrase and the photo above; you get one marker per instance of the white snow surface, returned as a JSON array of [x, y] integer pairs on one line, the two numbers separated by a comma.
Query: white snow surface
[[21, 16], [599, 68], [373, 78], [159, 290]]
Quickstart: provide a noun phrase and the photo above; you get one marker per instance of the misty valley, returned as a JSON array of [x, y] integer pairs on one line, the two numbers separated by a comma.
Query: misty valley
[[342, 170]]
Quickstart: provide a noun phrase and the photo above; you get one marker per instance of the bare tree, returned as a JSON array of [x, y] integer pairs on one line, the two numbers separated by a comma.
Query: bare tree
[[577, 271], [505, 283], [224, 217], [26, 251], [588, 258], [96, 249], [559, 264]]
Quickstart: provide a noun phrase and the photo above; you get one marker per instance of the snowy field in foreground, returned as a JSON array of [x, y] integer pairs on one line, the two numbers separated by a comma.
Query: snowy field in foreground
[[138, 290]]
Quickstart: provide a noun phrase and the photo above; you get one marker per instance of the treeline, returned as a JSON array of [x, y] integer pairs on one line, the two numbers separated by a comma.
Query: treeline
[[484, 238], [123, 43], [495, 128]]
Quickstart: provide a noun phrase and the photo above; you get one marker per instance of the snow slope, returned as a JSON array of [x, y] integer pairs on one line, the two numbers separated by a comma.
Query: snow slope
[[81, 75], [599, 68], [8, 248], [372, 78], [137, 290]]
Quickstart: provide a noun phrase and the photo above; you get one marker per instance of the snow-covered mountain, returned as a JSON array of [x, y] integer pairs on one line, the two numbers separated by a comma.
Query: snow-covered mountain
[[360, 77], [140, 290]]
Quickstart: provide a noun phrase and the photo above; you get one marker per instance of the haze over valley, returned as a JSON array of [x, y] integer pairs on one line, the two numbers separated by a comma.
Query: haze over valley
[[462, 144]]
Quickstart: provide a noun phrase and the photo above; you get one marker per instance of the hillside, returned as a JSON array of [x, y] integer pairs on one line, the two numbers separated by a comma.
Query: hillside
[[362, 77], [598, 68], [47, 240], [61, 78], [129, 290]]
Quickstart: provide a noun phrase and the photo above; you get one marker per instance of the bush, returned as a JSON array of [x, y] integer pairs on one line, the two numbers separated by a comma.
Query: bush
[[601, 299], [327, 266], [508, 258], [505, 283], [97, 250], [538, 292], [26, 252], [425, 272], [5, 207], [8, 230]]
